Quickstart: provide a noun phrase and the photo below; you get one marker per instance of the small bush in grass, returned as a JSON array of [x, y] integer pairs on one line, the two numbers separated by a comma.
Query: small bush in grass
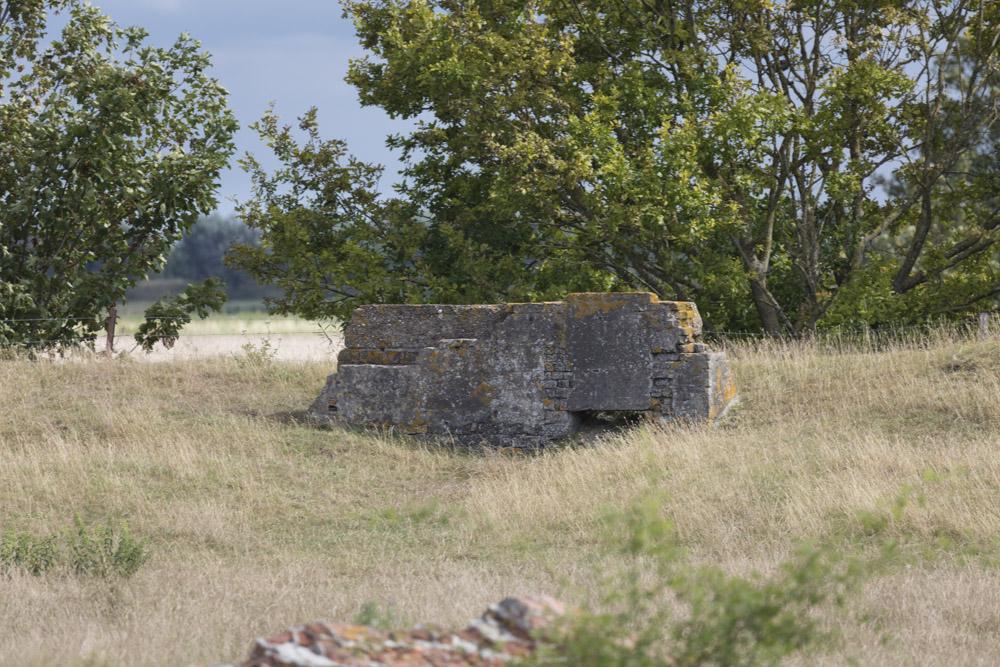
[[378, 616], [257, 356], [24, 551], [105, 552], [663, 611]]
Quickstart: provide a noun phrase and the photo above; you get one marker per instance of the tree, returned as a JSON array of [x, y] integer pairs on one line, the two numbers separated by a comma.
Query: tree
[[201, 255], [110, 148], [330, 242], [783, 163]]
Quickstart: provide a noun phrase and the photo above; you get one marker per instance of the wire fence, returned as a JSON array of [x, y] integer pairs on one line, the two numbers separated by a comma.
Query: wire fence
[[977, 325], [984, 326], [128, 337], [853, 340], [248, 329]]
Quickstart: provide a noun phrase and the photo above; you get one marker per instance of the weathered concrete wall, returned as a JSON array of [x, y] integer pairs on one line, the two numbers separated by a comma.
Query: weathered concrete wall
[[523, 374]]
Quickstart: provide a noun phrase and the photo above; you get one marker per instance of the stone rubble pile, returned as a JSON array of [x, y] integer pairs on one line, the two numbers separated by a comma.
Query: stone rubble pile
[[506, 631]]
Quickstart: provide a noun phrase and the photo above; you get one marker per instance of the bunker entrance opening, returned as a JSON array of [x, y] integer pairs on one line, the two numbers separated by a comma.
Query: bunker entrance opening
[[600, 421]]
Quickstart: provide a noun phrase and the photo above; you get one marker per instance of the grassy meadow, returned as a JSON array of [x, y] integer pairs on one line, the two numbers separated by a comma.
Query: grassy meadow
[[255, 520]]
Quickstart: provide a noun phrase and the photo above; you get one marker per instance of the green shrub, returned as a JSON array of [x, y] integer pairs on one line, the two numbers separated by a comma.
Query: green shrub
[[378, 616], [104, 552], [257, 356], [24, 551], [663, 611]]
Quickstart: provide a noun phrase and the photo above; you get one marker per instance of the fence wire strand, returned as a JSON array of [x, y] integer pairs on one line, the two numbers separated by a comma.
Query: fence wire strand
[[833, 335]]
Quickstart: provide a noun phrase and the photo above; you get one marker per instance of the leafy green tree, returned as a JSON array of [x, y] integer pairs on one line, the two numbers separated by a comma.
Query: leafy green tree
[[782, 163], [330, 242], [110, 148]]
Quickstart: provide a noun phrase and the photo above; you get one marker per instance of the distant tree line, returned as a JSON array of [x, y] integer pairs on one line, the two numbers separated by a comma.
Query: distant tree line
[[201, 254]]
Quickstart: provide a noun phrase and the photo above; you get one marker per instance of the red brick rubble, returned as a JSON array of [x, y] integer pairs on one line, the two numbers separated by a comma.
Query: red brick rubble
[[507, 630]]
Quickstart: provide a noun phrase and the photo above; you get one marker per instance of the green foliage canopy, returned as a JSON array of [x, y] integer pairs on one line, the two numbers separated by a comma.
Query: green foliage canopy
[[785, 164], [110, 148]]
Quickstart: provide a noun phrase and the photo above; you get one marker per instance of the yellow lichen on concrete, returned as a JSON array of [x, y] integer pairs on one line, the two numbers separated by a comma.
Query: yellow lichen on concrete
[[723, 392], [688, 319], [484, 393], [417, 425], [434, 362], [586, 304]]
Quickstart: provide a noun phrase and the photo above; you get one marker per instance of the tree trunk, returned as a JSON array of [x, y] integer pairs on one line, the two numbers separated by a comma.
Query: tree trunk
[[904, 281], [766, 307], [109, 328]]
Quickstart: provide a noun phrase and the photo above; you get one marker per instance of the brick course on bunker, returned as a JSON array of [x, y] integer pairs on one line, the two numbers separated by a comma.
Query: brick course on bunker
[[524, 374]]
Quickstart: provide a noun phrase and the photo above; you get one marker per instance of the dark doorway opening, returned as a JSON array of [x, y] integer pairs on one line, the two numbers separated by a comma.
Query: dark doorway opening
[[596, 422]]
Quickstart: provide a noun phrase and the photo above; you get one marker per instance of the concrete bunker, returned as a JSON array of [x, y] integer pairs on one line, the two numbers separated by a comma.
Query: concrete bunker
[[524, 374]]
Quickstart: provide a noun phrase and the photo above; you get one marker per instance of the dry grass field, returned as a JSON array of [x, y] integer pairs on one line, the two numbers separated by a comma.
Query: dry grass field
[[256, 521]]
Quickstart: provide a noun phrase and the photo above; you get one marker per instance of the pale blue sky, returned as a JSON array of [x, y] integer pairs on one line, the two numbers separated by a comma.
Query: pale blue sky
[[292, 52]]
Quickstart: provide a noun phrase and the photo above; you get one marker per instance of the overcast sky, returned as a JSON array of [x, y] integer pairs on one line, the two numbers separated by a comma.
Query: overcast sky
[[292, 52]]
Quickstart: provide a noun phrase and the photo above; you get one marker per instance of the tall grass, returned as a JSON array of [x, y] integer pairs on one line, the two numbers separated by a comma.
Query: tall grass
[[256, 520], [860, 340]]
